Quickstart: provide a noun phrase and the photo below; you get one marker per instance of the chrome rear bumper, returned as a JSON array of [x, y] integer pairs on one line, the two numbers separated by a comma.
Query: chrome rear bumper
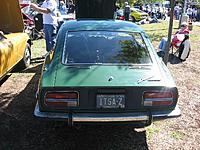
[[107, 117]]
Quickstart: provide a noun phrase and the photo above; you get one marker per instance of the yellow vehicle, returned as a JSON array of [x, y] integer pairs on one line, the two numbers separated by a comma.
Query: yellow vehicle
[[137, 15], [14, 43]]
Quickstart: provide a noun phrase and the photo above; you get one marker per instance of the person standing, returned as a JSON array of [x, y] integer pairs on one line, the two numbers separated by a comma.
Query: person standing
[[116, 8], [127, 11], [62, 8], [71, 7], [50, 22], [194, 14], [189, 12], [198, 14], [177, 12]]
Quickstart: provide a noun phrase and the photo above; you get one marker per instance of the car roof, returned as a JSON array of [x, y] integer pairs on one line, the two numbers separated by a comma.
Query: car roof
[[99, 25]]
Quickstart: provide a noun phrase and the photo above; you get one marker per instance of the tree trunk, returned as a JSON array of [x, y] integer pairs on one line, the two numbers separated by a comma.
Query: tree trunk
[[167, 48], [95, 9]]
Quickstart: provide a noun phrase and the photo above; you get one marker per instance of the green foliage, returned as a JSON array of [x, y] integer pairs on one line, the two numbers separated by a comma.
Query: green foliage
[[121, 2], [151, 131], [178, 135], [155, 1], [132, 52], [34, 1]]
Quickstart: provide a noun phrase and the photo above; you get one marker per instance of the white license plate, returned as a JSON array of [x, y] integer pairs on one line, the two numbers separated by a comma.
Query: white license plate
[[110, 101]]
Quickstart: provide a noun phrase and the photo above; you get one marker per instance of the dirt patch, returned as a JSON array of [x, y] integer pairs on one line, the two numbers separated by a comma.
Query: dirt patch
[[20, 130]]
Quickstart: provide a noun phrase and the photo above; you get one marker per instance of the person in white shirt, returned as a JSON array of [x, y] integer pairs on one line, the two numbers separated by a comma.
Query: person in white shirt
[[177, 12], [62, 8], [189, 12], [50, 22]]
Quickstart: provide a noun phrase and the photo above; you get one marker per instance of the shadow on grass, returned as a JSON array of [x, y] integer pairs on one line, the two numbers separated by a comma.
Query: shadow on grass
[[17, 69], [21, 130], [37, 60], [160, 29], [173, 59], [4, 79], [155, 29], [156, 37]]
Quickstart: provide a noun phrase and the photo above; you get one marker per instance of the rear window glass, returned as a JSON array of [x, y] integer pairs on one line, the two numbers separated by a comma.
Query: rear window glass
[[92, 47]]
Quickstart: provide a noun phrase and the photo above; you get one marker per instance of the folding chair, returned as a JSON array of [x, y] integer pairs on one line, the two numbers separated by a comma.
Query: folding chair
[[176, 42]]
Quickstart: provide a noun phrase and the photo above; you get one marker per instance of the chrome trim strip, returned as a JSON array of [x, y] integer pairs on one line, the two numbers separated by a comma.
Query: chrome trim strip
[[108, 117], [158, 99], [91, 117]]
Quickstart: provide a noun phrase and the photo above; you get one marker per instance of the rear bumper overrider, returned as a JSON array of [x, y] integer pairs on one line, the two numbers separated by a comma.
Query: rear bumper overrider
[[143, 117]]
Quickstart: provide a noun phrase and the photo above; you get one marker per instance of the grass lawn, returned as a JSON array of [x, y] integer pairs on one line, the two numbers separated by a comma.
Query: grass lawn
[[179, 133]]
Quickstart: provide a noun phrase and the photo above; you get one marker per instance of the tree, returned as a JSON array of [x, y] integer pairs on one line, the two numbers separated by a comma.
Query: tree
[[167, 48], [154, 1]]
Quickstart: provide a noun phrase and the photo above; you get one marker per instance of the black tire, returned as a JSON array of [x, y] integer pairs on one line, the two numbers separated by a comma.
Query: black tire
[[133, 19], [26, 60]]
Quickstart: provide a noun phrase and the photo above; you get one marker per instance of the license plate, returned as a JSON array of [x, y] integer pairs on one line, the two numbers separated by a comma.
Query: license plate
[[110, 101]]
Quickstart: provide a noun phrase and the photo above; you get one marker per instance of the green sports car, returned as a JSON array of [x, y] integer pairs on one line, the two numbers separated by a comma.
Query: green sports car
[[105, 71]]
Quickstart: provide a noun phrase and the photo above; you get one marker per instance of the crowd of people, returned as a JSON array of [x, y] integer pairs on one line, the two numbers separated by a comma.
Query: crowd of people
[[180, 40], [49, 9], [192, 11]]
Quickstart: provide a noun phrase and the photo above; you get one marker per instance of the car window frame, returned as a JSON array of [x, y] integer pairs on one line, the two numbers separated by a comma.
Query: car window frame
[[108, 64]]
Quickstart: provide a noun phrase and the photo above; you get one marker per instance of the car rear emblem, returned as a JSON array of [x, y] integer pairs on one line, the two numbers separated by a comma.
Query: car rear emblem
[[110, 78]]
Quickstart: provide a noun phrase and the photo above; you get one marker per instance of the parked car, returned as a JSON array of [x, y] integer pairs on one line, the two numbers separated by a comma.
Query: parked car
[[138, 15], [14, 43], [105, 71]]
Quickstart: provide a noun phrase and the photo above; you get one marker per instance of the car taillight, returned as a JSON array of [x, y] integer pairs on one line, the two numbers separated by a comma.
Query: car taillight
[[121, 18], [158, 98], [62, 99]]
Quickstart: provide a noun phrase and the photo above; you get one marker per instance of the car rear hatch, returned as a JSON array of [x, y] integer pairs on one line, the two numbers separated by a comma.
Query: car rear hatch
[[125, 84], [11, 17]]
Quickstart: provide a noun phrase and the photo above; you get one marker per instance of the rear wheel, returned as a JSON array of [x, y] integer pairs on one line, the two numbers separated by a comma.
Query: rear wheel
[[26, 61]]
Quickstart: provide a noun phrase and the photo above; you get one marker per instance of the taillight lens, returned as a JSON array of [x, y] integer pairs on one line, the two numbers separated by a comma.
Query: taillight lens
[[121, 18], [62, 99], [158, 98]]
